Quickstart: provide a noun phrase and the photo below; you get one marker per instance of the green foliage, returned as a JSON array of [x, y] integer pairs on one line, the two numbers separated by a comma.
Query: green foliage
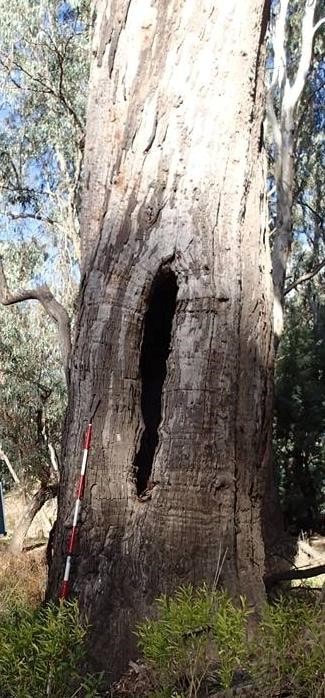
[[32, 391], [229, 634], [201, 636], [44, 64], [289, 652], [299, 418], [299, 444], [41, 653], [194, 630]]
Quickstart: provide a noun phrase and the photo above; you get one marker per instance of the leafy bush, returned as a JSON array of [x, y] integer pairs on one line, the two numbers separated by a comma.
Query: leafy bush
[[41, 653], [288, 652], [194, 630], [200, 636]]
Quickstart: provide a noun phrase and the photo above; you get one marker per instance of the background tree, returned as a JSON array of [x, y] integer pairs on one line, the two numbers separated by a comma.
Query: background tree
[[295, 27], [32, 393], [299, 409], [295, 110], [43, 73]]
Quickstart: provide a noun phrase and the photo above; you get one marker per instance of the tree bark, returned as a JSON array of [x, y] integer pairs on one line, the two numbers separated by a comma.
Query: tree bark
[[174, 333], [43, 494]]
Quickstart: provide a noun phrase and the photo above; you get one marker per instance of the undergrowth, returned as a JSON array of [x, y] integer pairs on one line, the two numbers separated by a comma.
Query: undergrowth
[[22, 578], [41, 653], [42, 648], [288, 653], [199, 642]]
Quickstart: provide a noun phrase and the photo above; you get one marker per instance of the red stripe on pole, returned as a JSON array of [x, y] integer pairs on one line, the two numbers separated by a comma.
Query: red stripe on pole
[[88, 436], [72, 540], [81, 487], [64, 592]]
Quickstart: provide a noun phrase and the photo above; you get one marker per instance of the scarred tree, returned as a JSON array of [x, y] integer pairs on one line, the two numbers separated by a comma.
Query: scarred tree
[[174, 331]]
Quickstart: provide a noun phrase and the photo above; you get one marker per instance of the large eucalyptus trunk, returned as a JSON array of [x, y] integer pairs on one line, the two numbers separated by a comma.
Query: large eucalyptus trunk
[[174, 333]]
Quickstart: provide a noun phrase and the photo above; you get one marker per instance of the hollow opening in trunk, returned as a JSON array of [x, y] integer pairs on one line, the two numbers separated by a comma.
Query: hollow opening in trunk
[[153, 366]]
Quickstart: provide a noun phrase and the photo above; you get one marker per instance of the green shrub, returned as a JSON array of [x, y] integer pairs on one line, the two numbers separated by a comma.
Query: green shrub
[[288, 651], [193, 632], [41, 653], [229, 627], [200, 636]]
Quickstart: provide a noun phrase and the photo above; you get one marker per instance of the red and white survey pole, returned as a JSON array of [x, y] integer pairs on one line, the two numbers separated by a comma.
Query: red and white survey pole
[[65, 588]]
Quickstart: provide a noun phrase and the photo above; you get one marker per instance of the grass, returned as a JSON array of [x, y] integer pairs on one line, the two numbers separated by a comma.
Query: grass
[[22, 578], [200, 637]]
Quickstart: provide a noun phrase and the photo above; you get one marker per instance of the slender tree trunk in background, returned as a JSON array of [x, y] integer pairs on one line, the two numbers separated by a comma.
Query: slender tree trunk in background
[[43, 494], [282, 103], [174, 333]]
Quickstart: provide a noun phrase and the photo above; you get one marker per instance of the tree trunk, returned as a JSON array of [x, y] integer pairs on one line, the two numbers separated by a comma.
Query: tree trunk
[[174, 333], [43, 494]]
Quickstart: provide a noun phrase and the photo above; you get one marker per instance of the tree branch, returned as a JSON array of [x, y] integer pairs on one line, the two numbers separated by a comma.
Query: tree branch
[[5, 459], [276, 131], [45, 89], [279, 76], [293, 92], [46, 438], [302, 573], [303, 204], [305, 277], [318, 25], [26, 216], [54, 309], [43, 494], [279, 51]]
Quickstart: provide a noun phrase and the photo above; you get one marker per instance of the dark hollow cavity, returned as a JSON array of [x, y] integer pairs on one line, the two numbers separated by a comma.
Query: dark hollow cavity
[[153, 367]]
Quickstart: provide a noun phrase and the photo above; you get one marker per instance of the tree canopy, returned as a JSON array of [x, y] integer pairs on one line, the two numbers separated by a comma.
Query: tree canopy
[[44, 59]]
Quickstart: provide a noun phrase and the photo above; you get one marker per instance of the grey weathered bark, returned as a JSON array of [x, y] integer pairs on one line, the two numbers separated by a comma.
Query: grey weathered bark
[[42, 495], [174, 333]]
